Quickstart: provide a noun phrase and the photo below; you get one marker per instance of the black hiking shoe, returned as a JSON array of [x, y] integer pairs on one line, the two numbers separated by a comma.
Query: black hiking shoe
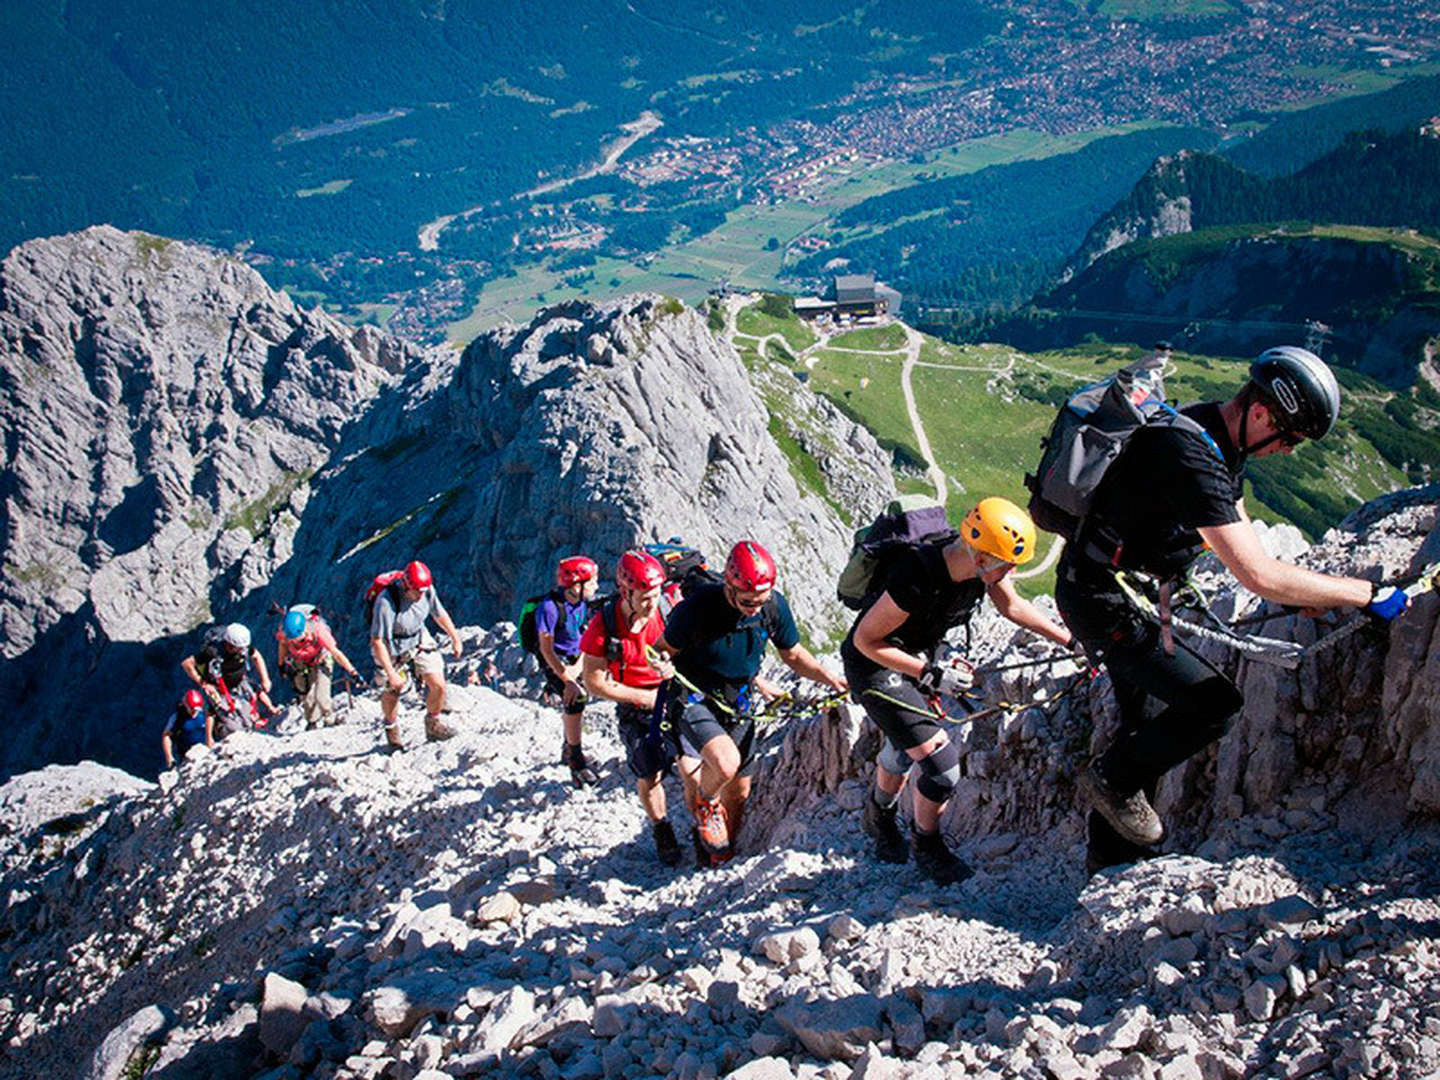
[[667, 848], [581, 774], [936, 861], [1130, 815], [879, 824]]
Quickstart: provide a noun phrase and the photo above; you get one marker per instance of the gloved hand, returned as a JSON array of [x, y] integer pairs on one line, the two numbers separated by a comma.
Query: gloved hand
[[1386, 602], [948, 679]]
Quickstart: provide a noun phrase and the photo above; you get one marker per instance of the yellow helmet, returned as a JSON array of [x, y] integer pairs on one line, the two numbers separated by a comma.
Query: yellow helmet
[[998, 527]]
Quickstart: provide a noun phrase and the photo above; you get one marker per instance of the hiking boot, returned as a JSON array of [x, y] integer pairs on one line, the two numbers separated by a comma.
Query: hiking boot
[[704, 856], [667, 848], [879, 824], [1129, 815], [936, 861], [437, 730], [710, 822], [1105, 847], [581, 774]]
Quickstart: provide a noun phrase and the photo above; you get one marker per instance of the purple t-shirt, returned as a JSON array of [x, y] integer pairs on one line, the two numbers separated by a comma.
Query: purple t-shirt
[[563, 621]]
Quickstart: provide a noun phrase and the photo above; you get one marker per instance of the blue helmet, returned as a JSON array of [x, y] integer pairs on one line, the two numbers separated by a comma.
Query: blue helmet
[[294, 624]]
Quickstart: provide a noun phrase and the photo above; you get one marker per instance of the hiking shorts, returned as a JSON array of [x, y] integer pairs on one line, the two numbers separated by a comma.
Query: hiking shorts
[[698, 723], [425, 660], [896, 704], [553, 685], [646, 755]]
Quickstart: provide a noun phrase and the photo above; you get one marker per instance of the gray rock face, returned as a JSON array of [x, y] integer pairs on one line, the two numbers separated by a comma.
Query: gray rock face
[[187, 446], [165, 410], [603, 427]]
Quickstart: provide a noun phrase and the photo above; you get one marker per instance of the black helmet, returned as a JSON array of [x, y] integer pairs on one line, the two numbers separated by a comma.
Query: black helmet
[[1300, 389]]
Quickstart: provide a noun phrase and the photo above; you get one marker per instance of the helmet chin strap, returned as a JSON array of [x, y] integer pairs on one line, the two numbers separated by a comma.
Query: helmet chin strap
[[1246, 450]]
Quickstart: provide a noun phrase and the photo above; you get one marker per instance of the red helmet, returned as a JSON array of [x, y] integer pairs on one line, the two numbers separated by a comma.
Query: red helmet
[[576, 569], [194, 700], [639, 571], [418, 576], [749, 567]]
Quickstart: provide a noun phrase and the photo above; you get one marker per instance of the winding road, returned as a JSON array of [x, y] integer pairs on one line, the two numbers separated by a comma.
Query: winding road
[[913, 343]]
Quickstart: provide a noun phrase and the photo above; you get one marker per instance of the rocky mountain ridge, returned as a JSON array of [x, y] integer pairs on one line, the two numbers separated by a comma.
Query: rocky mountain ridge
[[303, 907], [186, 446]]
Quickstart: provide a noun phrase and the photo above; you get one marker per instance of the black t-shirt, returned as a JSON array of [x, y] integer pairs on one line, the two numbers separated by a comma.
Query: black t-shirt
[[215, 661], [720, 649], [1168, 483], [921, 586]]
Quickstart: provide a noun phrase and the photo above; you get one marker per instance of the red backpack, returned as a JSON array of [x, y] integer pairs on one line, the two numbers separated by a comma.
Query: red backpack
[[391, 581]]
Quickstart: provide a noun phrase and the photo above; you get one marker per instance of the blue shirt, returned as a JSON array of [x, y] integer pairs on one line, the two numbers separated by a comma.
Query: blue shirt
[[719, 648], [563, 621]]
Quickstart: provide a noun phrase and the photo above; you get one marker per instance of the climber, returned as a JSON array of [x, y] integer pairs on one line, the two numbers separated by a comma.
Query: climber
[[616, 651], [307, 655], [221, 669], [1173, 492], [188, 725], [717, 636], [401, 644], [890, 658], [560, 617]]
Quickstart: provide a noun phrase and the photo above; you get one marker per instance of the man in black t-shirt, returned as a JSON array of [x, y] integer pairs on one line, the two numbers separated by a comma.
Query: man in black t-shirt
[[1173, 492], [718, 636], [221, 669], [890, 661]]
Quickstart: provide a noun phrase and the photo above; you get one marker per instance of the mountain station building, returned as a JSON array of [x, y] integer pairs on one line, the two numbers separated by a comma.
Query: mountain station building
[[850, 296]]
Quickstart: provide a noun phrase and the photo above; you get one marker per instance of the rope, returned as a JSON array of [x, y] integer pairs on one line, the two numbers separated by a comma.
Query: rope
[[1283, 654]]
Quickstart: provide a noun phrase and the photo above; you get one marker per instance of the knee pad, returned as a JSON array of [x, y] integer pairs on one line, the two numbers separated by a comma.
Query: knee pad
[[892, 759], [939, 773]]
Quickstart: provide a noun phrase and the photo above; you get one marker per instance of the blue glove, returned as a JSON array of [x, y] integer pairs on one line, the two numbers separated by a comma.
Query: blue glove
[[1386, 602]]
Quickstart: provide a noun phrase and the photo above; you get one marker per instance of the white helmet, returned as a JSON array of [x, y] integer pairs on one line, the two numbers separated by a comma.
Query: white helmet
[[237, 635]]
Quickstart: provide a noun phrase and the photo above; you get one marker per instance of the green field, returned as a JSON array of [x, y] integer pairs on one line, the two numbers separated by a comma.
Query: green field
[[752, 322], [888, 338]]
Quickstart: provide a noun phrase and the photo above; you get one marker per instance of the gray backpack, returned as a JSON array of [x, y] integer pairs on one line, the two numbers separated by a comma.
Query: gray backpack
[[1093, 428]]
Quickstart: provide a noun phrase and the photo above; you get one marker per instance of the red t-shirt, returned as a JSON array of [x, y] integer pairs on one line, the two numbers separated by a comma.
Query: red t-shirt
[[637, 670]]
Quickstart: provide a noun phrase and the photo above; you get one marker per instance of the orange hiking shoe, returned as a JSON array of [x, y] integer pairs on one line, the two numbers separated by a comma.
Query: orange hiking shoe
[[711, 823]]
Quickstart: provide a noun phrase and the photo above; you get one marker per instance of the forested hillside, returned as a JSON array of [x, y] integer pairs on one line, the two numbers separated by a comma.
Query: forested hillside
[[991, 238], [1290, 141]]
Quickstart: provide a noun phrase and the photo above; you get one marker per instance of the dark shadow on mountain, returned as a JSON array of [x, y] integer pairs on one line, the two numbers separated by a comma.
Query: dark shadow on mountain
[[135, 520]]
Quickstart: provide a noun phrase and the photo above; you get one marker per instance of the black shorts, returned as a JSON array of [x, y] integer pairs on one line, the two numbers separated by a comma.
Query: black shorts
[[698, 721], [898, 706], [647, 753], [554, 686]]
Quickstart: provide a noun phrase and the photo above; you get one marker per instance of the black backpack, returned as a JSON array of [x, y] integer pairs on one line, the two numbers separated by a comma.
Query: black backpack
[[685, 570], [1091, 430], [906, 523]]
